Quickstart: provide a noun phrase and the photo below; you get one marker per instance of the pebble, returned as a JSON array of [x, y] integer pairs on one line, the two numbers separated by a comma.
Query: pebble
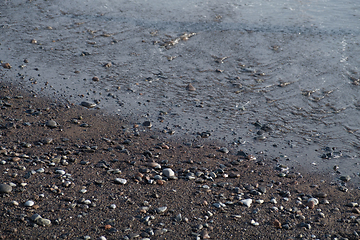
[[43, 222], [254, 223], [224, 150], [219, 205], [29, 203], [4, 188], [169, 173], [147, 124], [345, 178], [190, 87], [120, 181], [352, 204], [161, 209], [51, 124], [61, 172], [88, 104], [246, 202], [312, 202], [112, 206]]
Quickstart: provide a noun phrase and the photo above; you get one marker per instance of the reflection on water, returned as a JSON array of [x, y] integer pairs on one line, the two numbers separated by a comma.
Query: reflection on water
[[291, 65]]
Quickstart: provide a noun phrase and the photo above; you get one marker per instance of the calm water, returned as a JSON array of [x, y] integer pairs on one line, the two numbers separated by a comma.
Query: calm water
[[293, 65]]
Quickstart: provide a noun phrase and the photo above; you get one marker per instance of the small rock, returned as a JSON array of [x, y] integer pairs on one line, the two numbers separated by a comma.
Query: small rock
[[51, 124], [4, 188], [6, 65], [224, 150], [147, 124], [43, 222], [120, 181], [277, 224], [190, 87], [29, 203], [352, 204], [204, 234], [59, 171], [169, 173], [345, 178], [161, 209], [88, 104], [254, 223], [246, 202], [35, 217], [219, 205]]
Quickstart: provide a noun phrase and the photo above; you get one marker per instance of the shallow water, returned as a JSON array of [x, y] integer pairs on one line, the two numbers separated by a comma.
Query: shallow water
[[289, 64]]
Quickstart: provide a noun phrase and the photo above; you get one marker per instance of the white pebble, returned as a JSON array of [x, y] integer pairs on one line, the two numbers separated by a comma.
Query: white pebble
[[273, 200], [59, 171], [112, 206], [120, 181], [246, 202], [29, 203], [254, 223]]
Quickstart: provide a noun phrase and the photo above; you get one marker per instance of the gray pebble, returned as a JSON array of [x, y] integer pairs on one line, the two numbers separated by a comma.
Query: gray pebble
[[168, 172], [43, 222], [61, 172], [4, 188], [88, 104], [51, 124], [224, 150]]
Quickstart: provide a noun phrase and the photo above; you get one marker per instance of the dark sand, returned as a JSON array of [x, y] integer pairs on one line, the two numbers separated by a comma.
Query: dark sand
[[93, 156]]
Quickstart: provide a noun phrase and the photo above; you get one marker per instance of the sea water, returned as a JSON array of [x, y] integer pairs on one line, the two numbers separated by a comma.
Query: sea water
[[291, 67]]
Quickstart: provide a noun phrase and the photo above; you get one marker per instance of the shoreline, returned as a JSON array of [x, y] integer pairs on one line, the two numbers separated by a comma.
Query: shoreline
[[93, 176]]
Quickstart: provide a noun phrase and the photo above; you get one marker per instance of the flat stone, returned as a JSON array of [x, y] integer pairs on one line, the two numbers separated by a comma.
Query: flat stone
[[88, 104], [246, 202], [43, 222], [120, 181], [4, 188]]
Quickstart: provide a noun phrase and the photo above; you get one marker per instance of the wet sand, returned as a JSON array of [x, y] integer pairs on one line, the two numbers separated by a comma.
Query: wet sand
[[94, 176]]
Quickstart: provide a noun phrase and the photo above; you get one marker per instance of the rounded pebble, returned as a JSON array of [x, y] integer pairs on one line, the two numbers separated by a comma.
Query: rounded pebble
[[51, 124], [29, 203], [4, 188]]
